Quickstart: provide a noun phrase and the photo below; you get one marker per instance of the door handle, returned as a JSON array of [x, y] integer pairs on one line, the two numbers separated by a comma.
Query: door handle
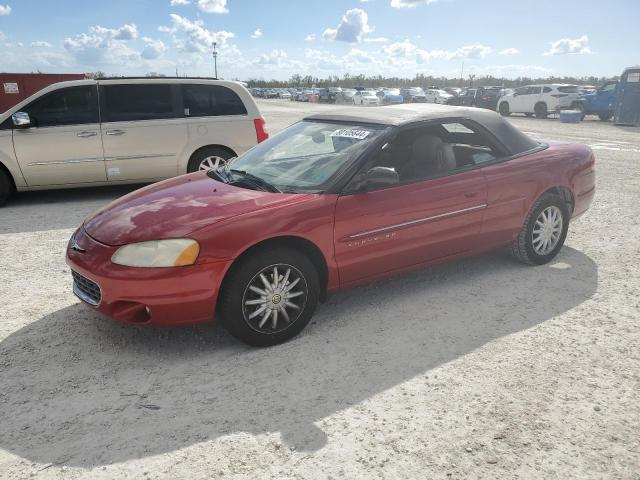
[[471, 194], [86, 134], [116, 132]]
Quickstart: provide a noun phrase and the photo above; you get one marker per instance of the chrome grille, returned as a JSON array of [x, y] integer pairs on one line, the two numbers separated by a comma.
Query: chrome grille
[[86, 289]]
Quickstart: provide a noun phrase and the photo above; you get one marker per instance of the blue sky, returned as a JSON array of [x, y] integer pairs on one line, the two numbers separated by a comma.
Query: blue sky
[[277, 38]]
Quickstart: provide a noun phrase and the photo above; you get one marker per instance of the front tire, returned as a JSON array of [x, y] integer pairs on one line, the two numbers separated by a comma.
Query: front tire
[[544, 231], [269, 296], [605, 117], [504, 109], [6, 188]]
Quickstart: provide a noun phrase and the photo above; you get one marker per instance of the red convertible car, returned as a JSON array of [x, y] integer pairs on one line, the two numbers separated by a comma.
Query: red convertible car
[[333, 201]]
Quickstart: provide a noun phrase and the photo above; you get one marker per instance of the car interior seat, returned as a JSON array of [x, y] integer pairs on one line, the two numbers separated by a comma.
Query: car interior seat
[[429, 156]]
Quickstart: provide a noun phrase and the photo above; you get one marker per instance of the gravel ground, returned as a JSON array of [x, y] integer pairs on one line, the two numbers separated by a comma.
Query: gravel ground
[[482, 368]]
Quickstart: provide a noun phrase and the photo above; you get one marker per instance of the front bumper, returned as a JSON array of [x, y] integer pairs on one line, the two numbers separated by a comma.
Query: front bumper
[[150, 296]]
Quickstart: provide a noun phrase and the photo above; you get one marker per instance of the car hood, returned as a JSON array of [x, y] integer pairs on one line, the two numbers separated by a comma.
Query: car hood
[[175, 208]]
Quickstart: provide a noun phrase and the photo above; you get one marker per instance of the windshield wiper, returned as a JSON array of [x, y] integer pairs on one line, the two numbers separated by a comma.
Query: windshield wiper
[[257, 181], [218, 175]]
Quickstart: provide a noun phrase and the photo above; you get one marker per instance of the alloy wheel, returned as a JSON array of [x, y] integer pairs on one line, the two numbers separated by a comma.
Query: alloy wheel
[[212, 163], [274, 298], [547, 230]]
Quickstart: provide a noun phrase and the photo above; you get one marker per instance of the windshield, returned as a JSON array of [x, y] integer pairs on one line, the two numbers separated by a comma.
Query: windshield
[[368, 93], [392, 91], [416, 91], [307, 156]]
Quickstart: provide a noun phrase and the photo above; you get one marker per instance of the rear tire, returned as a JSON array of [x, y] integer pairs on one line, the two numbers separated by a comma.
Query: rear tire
[[529, 246], [209, 156], [504, 109], [605, 117], [580, 108], [6, 188], [262, 314], [541, 110]]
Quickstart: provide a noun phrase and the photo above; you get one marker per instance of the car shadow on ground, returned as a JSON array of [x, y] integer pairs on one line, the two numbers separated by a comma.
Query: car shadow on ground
[[81, 390], [56, 209]]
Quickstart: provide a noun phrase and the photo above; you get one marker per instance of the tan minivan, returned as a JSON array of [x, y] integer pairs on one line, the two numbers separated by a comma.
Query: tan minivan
[[126, 130]]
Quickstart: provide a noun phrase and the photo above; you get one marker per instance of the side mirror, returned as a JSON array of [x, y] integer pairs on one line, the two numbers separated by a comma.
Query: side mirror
[[380, 177], [21, 120]]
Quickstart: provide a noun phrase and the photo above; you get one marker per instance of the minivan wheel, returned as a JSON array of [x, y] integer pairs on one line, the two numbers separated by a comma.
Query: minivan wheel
[[605, 117], [210, 158], [541, 110], [6, 188], [504, 109], [543, 232], [269, 296]]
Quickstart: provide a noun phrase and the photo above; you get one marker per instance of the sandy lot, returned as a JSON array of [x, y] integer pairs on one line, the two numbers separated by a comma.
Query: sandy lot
[[483, 368]]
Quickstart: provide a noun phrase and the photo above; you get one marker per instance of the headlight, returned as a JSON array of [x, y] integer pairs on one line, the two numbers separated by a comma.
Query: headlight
[[175, 252]]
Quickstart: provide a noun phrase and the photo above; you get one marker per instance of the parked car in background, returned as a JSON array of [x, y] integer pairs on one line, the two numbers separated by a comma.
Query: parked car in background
[[601, 102], [334, 201], [390, 96], [284, 94], [481, 97], [365, 97], [328, 95], [90, 133], [413, 95], [539, 100], [455, 91], [437, 96], [345, 96]]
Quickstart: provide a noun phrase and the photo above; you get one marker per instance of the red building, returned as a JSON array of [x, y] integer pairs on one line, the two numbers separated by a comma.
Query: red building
[[15, 87]]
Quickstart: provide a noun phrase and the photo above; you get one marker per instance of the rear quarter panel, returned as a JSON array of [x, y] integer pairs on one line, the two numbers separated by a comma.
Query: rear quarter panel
[[516, 184]]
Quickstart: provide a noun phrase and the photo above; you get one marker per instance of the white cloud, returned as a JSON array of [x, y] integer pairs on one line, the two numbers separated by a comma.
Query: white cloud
[[153, 49], [566, 46], [410, 3], [354, 24], [103, 45], [358, 56], [5, 10], [192, 36], [213, 6], [470, 52], [275, 57], [310, 38], [257, 33], [376, 40], [2, 36], [509, 51], [179, 2], [40, 44], [404, 52]]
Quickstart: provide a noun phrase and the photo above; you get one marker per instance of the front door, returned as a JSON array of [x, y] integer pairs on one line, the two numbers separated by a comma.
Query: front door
[[143, 132], [436, 211], [63, 145]]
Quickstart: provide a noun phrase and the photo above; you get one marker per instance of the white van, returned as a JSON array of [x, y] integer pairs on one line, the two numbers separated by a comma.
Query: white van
[[125, 130]]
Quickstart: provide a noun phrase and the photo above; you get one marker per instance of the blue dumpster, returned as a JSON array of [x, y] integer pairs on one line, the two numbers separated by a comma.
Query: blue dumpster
[[628, 102]]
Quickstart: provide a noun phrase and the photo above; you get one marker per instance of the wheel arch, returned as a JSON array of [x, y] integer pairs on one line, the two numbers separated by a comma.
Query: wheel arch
[[6, 170], [563, 192], [303, 245], [204, 147]]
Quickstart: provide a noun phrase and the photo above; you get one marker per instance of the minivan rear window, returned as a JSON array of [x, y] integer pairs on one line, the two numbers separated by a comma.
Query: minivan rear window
[[211, 101], [137, 102]]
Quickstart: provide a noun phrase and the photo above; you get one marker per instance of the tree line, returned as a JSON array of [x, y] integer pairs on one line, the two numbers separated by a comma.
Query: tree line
[[420, 80]]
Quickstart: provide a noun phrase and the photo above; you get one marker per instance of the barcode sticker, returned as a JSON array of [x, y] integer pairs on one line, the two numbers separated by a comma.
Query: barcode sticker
[[350, 133]]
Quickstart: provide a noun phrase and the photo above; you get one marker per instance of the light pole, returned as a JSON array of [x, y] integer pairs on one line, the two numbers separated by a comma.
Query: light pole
[[215, 57]]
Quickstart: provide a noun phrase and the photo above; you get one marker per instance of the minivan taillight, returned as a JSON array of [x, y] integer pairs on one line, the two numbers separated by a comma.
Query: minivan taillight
[[261, 131]]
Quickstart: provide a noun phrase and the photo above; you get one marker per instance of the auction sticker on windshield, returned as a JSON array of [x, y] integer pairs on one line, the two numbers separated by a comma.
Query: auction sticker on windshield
[[350, 133]]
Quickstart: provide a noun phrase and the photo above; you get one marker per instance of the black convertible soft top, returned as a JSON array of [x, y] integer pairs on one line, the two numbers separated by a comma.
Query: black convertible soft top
[[401, 115]]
